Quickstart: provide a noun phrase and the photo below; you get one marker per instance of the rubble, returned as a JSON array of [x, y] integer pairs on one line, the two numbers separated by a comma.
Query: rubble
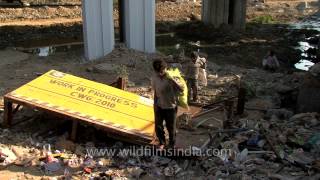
[[251, 154], [308, 96], [64, 144], [172, 170], [315, 70], [279, 113], [134, 172]]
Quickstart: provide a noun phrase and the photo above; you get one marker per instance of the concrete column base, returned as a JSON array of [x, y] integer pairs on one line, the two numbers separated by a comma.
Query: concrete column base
[[139, 25], [98, 28]]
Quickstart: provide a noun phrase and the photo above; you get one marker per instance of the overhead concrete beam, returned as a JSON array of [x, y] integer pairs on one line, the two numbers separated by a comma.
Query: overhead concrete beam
[[98, 28], [139, 25]]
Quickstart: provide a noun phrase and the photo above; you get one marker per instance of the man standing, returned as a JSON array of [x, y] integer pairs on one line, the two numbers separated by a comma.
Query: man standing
[[192, 76], [166, 92]]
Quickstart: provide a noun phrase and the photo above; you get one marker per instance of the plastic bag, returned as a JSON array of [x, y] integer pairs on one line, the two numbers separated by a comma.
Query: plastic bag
[[202, 71], [203, 77], [175, 74]]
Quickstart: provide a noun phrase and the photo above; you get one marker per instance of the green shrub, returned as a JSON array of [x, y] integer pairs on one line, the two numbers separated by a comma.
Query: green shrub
[[265, 19], [122, 71]]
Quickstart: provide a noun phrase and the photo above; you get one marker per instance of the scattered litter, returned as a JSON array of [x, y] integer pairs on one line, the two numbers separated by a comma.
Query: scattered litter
[[172, 170], [52, 167], [67, 175], [89, 162], [135, 172], [7, 156], [242, 156], [299, 156], [87, 170]]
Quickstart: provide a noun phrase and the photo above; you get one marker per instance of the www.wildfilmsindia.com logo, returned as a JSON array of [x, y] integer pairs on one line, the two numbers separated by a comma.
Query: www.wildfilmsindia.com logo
[[153, 151]]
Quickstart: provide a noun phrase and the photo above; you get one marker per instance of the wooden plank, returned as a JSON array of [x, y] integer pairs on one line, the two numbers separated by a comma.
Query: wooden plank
[[218, 102], [122, 83], [74, 130], [8, 115]]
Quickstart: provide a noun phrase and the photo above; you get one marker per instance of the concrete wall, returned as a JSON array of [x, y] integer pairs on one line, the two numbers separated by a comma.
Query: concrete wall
[[139, 24], [98, 28]]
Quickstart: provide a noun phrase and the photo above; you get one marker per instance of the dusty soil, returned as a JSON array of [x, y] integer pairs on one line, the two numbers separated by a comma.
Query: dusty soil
[[37, 13], [282, 11], [230, 53], [35, 28]]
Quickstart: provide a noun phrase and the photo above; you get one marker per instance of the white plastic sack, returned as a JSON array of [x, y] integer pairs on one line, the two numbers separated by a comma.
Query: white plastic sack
[[203, 77]]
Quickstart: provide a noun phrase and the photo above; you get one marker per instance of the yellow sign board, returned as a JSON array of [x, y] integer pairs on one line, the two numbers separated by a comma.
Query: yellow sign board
[[90, 101]]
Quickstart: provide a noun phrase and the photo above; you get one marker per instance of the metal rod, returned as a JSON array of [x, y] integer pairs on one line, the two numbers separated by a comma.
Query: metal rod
[[218, 102], [74, 130]]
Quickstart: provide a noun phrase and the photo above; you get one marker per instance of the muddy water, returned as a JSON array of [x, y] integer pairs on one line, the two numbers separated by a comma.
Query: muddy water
[[166, 43], [52, 49], [311, 22], [310, 46], [47, 47], [307, 59], [170, 43]]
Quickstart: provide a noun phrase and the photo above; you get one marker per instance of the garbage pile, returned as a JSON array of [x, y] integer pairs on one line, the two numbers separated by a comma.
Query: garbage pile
[[268, 141], [280, 145]]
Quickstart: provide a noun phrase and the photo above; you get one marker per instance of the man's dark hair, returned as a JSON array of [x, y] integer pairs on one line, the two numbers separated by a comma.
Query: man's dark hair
[[194, 55], [159, 65]]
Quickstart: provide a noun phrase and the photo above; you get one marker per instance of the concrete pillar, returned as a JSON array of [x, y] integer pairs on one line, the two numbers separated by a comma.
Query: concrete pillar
[[215, 12], [139, 24], [205, 11], [239, 14], [98, 28]]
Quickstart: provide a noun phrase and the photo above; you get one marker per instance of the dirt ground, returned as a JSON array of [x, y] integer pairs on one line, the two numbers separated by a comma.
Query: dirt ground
[[230, 53]]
